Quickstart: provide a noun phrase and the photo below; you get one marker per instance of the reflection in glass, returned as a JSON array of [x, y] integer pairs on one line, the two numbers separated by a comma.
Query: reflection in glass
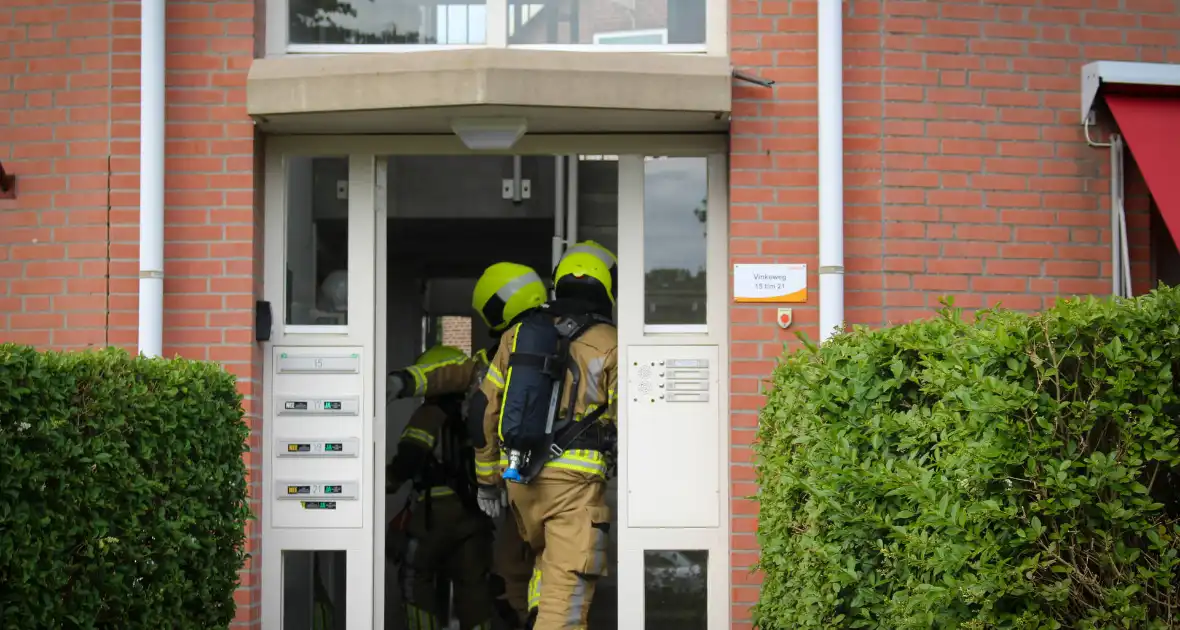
[[314, 590], [675, 194], [675, 588], [386, 22], [607, 22], [317, 241], [598, 201]]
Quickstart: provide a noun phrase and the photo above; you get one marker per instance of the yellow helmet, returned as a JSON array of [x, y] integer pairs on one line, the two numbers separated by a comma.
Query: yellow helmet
[[504, 291], [589, 270], [595, 249], [441, 354]]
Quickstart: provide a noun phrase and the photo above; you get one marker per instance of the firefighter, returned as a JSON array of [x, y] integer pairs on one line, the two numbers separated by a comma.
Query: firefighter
[[605, 256], [502, 294], [558, 454], [448, 536]]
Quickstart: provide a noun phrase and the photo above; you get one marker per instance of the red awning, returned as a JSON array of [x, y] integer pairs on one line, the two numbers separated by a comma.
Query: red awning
[[1151, 126]]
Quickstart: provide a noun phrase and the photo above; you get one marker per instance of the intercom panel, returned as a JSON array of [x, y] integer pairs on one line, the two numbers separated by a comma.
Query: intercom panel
[[317, 452], [673, 426], [323, 405], [318, 447], [316, 503], [316, 489]]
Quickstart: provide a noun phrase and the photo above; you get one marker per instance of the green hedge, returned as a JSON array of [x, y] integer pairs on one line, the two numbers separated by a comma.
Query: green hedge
[[1009, 472], [122, 491]]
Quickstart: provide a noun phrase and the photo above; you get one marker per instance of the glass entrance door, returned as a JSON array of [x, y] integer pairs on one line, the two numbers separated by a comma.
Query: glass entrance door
[[394, 218]]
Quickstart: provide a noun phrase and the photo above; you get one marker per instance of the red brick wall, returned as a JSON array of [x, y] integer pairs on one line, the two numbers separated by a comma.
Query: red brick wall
[[966, 172], [55, 76], [456, 332], [69, 110]]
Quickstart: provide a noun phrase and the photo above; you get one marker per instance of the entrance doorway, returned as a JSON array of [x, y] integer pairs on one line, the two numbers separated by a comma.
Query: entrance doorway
[[448, 218], [371, 258]]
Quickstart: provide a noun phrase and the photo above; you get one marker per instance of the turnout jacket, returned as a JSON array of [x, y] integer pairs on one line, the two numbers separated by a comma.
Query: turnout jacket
[[595, 354]]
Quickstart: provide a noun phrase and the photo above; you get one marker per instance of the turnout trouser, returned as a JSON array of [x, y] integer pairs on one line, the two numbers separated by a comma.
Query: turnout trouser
[[455, 545], [513, 561], [563, 516]]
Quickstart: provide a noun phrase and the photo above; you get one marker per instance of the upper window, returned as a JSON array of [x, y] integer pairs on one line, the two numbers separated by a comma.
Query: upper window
[[370, 22], [609, 22], [330, 24]]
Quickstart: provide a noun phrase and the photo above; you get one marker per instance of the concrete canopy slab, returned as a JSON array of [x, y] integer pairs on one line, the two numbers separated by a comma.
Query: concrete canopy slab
[[557, 91]]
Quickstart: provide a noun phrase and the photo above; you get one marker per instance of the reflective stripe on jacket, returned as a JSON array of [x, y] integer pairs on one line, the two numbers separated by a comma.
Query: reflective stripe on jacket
[[452, 376]]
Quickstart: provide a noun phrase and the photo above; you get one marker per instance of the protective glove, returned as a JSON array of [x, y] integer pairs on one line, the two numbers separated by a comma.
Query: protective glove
[[490, 500], [394, 386]]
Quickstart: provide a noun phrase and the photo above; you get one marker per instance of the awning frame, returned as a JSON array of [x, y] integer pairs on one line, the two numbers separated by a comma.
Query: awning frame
[[1101, 76], [1121, 77], [1120, 259]]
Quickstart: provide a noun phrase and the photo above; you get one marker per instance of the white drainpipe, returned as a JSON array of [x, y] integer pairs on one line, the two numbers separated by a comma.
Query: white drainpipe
[[151, 178], [830, 52]]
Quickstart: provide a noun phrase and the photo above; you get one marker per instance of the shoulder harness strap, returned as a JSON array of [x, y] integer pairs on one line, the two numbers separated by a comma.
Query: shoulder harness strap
[[573, 326]]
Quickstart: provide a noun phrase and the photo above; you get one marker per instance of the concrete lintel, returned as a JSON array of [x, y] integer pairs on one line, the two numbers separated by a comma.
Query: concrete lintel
[[301, 85]]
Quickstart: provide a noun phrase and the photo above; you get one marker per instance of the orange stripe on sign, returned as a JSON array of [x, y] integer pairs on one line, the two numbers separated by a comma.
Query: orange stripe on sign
[[797, 296]]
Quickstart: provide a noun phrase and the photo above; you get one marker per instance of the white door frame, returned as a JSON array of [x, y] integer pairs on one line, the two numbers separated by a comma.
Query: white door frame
[[359, 332], [366, 327], [634, 334]]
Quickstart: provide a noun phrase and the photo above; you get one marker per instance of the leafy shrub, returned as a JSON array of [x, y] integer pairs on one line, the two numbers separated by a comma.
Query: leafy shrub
[[1011, 472], [122, 491]]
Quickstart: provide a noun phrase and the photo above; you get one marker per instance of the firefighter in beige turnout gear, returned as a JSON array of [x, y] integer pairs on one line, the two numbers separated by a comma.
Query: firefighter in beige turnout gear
[[562, 511], [502, 293]]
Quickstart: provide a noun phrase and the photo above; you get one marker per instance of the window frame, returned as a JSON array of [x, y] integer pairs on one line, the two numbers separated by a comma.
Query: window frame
[[632, 182], [357, 218], [496, 29]]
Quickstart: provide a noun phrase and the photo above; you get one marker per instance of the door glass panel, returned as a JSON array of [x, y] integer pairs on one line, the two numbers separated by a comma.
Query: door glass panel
[[315, 590], [675, 198], [386, 22], [317, 241], [598, 200], [675, 590], [607, 22]]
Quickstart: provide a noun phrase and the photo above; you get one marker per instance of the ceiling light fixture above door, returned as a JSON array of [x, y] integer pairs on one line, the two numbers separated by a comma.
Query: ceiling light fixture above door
[[489, 134]]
